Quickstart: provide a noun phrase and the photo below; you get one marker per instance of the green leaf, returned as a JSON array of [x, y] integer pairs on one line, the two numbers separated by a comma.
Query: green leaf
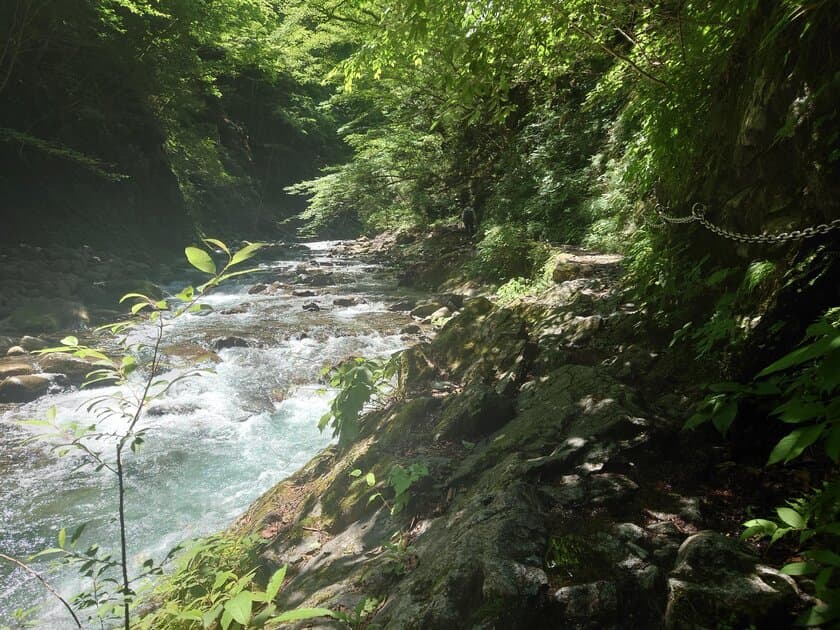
[[791, 517], [823, 556], [799, 568], [70, 341], [200, 259], [725, 415], [803, 354], [355, 473], [128, 296], [240, 607], [62, 538], [302, 613], [791, 446], [832, 443], [370, 479], [226, 620], [217, 243], [275, 583], [139, 307], [186, 295], [245, 253]]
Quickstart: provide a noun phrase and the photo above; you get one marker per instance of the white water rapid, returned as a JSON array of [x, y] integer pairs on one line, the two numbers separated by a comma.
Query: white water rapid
[[215, 444]]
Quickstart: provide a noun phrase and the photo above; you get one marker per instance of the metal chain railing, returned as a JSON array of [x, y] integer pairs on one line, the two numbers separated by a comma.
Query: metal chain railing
[[698, 215]]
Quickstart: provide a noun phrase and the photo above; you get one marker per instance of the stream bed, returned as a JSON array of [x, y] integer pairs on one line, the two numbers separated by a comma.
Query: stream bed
[[216, 442]]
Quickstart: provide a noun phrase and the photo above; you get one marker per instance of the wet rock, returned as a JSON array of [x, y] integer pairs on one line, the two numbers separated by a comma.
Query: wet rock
[[258, 288], [715, 582], [21, 389], [15, 368], [230, 342], [588, 605], [74, 368], [303, 293], [15, 351], [349, 301], [311, 307], [424, 310], [237, 310], [411, 329], [402, 306], [31, 344], [442, 313]]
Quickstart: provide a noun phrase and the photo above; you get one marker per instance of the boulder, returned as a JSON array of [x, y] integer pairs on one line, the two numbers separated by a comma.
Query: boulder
[[230, 342], [715, 583], [15, 368], [74, 368], [349, 301], [411, 329], [21, 389], [304, 293], [442, 313], [311, 307], [15, 351], [422, 311], [476, 413], [402, 306], [258, 288]]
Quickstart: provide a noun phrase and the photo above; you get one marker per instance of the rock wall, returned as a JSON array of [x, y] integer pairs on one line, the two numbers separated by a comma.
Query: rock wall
[[559, 488]]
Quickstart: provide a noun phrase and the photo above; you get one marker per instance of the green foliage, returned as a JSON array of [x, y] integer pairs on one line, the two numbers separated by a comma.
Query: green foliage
[[213, 586], [505, 252], [804, 386], [815, 521], [358, 381], [400, 480]]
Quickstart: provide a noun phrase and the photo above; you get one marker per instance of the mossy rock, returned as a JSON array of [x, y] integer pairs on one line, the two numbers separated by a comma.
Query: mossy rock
[[478, 412]]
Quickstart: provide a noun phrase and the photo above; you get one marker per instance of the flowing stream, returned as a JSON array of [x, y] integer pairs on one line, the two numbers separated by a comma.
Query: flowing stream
[[215, 443]]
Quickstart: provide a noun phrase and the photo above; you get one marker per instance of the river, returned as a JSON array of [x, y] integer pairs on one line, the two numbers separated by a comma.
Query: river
[[216, 443]]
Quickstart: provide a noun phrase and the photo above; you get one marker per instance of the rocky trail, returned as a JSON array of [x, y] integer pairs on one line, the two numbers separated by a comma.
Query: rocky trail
[[560, 491]]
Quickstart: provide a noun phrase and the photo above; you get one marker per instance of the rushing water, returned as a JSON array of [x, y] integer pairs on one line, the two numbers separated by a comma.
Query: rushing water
[[216, 443]]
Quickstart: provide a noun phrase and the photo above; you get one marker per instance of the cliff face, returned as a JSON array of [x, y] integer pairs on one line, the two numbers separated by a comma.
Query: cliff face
[[548, 484]]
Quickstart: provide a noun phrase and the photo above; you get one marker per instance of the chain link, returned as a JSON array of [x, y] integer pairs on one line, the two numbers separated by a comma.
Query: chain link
[[698, 215]]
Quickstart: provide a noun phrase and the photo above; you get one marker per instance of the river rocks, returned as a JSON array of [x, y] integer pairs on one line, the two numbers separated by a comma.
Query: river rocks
[[32, 344], [303, 293], [442, 313], [15, 351], [223, 343], [73, 368], [21, 389], [411, 329], [424, 310], [237, 310], [258, 288], [716, 582], [349, 301], [15, 368], [311, 307], [402, 306]]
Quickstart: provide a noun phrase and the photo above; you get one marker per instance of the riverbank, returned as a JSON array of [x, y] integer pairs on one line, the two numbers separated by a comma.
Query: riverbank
[[528, 471]]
